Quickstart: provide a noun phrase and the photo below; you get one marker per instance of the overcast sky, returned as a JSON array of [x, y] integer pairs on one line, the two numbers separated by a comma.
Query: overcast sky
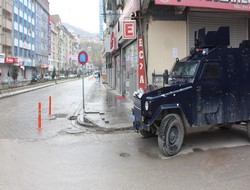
[[81, 13]]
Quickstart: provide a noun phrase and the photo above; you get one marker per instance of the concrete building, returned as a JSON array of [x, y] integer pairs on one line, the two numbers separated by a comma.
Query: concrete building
[[42, 33], [30, 37], [53, 57], [23, 32], [145, 37], [6, 58]]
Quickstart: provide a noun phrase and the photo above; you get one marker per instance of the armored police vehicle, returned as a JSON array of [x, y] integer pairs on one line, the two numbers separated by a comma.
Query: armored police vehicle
[[210, 87]]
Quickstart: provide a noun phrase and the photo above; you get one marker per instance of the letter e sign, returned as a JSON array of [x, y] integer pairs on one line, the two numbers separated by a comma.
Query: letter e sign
[[129, 29]]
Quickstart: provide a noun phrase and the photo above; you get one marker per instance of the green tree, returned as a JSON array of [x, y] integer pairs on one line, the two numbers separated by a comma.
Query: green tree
[[53, 73], [94, 50], [14, 73]]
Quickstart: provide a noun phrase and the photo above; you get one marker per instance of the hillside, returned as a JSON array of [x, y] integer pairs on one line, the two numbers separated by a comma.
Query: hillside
[[79, 31]]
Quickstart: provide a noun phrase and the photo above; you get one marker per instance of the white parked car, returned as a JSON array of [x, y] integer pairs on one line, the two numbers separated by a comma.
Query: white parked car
[[62, 76]]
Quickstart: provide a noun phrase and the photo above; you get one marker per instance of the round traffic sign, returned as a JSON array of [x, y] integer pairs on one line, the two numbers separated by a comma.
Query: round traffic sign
[[82, 57]]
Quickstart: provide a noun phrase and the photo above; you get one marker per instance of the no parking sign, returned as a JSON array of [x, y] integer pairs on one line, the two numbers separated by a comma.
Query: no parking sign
[[82, 57]]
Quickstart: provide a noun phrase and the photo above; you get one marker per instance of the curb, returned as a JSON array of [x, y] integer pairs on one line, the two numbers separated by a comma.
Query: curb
[[91, 124], [85, 123], [28, 88]]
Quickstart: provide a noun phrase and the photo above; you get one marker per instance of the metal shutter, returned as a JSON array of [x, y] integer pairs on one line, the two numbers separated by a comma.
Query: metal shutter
[[238, 24]]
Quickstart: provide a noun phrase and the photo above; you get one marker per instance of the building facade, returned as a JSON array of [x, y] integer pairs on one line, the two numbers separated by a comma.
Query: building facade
[[53, 56], [143, 38], [42, 33], [5, 38], [24, 37]]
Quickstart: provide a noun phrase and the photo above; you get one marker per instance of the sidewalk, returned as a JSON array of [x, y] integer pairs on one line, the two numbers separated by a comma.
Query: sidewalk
[[106, 110]]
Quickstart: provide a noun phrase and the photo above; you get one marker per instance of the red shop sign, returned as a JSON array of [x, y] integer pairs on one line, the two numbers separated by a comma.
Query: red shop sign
[[141, 64], [11, 60], [129, 29]]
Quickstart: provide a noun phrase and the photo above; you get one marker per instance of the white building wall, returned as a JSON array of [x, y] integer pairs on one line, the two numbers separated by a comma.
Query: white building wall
[[166, 41]]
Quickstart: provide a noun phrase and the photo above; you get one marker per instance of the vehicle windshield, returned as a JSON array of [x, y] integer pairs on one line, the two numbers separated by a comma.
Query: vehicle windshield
[[184, 69]]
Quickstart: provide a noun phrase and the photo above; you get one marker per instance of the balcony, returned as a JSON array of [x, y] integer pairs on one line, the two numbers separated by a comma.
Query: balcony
[[6, 24], [6, 41], [7, 6]]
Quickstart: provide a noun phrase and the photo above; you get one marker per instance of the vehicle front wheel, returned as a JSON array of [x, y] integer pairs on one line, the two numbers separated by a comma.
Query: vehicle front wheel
[[171, 135]]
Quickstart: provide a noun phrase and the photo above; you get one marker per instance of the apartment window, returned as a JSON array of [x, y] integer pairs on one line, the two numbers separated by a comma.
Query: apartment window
[[15, 34], [15, 17], [15, 51], [16, 3], [25, 53], [21, 52], [26, 9]]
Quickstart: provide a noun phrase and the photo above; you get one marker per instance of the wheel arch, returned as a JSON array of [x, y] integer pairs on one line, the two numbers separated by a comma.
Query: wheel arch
[[175, 110]]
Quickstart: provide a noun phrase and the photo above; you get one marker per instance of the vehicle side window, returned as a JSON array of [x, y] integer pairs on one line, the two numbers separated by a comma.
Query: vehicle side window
[[211, 70]]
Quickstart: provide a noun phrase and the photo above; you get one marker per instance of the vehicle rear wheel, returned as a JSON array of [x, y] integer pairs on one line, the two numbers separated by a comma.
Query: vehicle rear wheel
[[171, 135], [146, 134], [248, 129]]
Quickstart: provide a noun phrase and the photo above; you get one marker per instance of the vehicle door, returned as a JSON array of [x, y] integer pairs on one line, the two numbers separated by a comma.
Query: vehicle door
[[210, 108]]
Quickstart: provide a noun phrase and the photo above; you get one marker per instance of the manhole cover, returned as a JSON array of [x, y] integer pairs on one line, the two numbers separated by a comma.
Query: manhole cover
[[61, 115], [123, 154]]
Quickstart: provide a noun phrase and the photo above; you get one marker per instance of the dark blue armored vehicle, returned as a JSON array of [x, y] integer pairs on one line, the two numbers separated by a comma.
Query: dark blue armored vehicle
[[210, 87]]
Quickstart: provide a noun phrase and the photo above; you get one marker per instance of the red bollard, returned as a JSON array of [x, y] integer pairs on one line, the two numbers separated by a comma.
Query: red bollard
[[49, 106], [39, 127]]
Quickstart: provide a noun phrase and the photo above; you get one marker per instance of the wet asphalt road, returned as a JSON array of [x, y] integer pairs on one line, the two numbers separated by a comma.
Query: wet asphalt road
[[53, 159], [122, 160], [19, 114]]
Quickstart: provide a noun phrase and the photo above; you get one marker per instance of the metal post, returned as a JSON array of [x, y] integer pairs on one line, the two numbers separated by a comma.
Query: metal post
[[49, 106], [39, 127], [83, 104]]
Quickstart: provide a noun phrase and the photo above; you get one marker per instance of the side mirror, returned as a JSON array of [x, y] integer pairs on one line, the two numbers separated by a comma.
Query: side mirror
[[165, 77]]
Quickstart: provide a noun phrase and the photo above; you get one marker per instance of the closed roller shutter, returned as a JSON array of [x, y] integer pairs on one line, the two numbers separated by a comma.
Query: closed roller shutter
[[238, 24]]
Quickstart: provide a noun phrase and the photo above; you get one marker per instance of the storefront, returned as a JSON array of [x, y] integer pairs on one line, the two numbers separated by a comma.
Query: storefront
[[8, 65], [211, 20], [211, 15], [28, 69], [118, 73], [130, 69], [170, 27], [121, 50]]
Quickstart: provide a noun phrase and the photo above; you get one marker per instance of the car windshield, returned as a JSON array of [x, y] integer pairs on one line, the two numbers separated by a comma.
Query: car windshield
[[184, 69]]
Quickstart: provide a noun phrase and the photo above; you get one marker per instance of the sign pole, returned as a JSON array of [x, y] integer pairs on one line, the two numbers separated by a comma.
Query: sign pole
[[83, 59], [83, 103]]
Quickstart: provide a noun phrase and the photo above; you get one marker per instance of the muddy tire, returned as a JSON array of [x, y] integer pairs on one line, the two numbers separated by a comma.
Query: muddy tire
[[248, 130], [171, 135], [146, 134]]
